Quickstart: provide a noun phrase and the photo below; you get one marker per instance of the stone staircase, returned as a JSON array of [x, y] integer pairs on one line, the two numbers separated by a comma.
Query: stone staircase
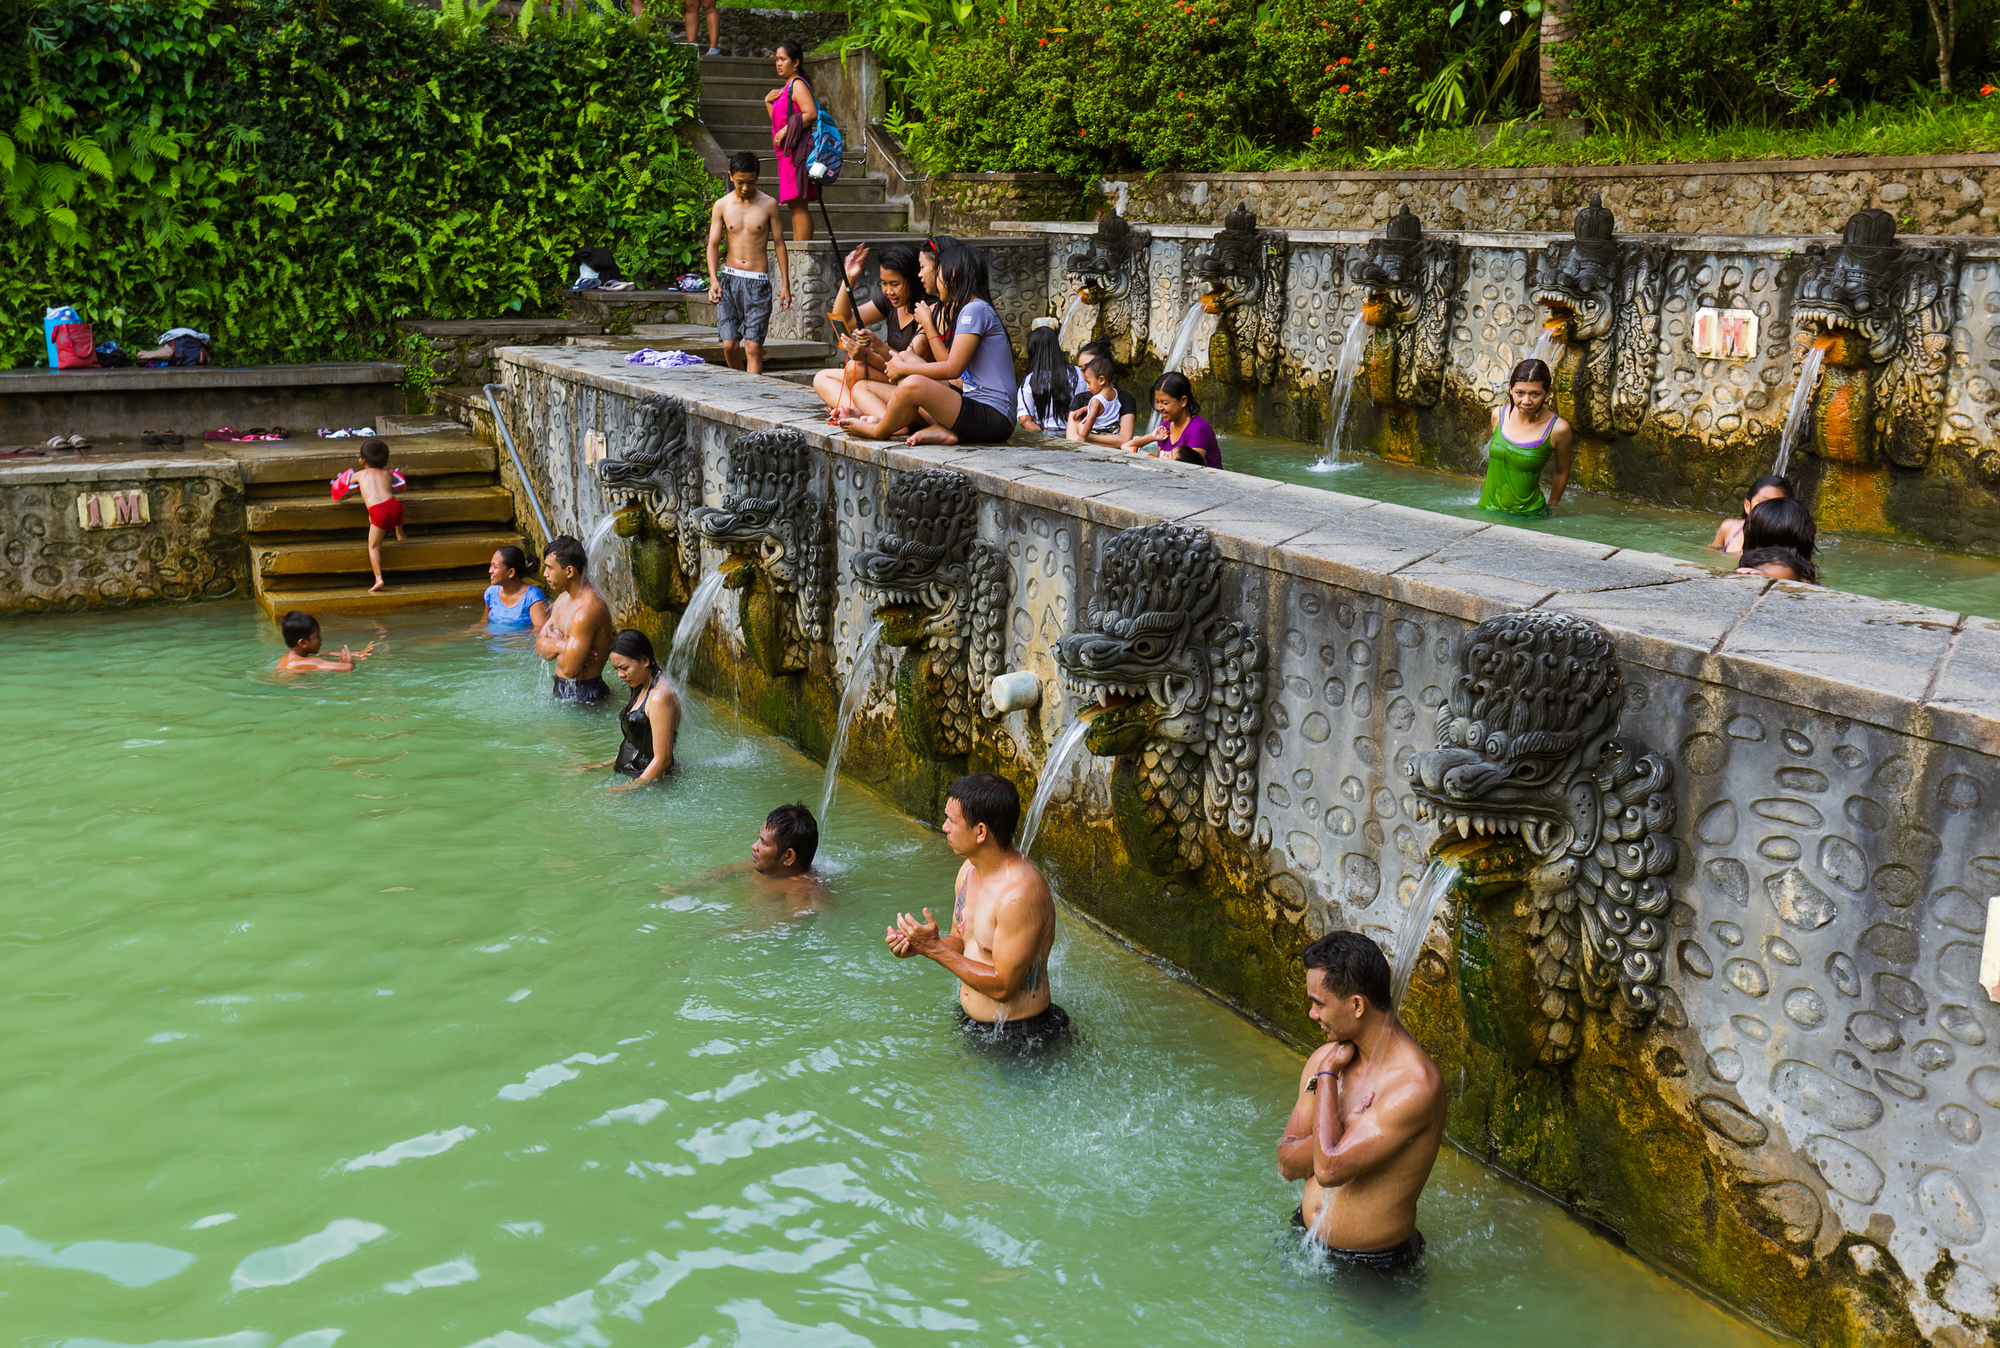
[[732, 108], [307, 552]]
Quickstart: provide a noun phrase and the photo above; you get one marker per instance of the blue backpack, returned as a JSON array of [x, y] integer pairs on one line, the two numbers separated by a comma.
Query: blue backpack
[[823, 165]]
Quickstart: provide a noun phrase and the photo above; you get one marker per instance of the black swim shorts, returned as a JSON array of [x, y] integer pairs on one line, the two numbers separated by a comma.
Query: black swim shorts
[[581, 690], [978, 424], [1030, 1032], [1394, 1259]]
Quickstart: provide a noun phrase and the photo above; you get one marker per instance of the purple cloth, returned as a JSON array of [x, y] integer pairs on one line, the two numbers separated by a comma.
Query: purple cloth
[[1198, 435], [672, 360]]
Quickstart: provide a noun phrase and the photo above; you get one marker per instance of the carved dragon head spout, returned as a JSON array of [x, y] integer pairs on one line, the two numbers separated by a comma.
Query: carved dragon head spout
[[661, 474], [1882, 316], [1228, 267], [1407, 280], [944, 601], [1175, 693], [774, 534], [1577, 282], [1104, 264], [1529, 768]]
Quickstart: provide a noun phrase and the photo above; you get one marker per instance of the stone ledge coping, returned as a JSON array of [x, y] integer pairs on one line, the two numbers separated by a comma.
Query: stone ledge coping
[[1917, 670], [312, 375], [1971, 246], [145, 465], [496, 327], [1708, 168]]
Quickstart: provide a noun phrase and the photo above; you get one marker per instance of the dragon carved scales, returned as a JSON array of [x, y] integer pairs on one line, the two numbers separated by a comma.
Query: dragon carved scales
[[779, 555], [1604, 300], [1113, 268], [1885, 315], [944, 597], [661, 466], [1245, 270], [1527, 754], [1178, 692], [1409, 281]]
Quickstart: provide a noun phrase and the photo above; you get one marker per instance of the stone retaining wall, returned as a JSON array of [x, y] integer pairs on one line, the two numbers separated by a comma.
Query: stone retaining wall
[[1783, 1101]]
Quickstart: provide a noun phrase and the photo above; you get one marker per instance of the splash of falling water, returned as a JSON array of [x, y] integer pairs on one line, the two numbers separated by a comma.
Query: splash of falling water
[[1352, 347], [1799, 416], [860, 678], [1549, 348], [1063, 334], [1439, 876], [687, 634], [1183, 341], [598, 533], [1054, 772]]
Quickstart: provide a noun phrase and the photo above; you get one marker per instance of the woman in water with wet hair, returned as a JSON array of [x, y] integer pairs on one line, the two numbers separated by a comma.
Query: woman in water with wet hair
[[651, 721], [1779, 539], [513, 603], [1527, 433]]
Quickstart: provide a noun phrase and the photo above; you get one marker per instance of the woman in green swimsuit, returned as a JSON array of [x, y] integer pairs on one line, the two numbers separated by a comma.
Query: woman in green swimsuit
[[1526, 433]]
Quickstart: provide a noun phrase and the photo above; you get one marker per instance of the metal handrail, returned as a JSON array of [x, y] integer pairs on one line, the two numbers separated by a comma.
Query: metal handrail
[[520, 469]]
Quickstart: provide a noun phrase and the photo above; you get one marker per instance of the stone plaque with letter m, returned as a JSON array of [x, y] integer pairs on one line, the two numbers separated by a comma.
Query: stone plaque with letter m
[[112, 509]]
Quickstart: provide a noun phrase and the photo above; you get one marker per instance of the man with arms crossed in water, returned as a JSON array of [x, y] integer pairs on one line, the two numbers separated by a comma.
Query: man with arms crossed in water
[[1370, 1114], [577, 635], [1003, 921], [741, 286]]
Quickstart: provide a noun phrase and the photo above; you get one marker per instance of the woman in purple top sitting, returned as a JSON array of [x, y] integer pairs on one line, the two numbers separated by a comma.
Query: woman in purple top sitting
[[1183, 433]]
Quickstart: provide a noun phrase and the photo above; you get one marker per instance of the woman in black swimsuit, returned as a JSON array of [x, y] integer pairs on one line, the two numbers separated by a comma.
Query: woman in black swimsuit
[[651, 721], [894, 309]]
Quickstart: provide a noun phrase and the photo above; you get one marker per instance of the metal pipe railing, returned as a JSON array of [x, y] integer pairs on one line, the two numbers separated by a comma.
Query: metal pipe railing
[[520, 469]]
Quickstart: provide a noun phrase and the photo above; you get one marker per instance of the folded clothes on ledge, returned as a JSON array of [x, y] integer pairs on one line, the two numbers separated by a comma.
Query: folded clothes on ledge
[[670, 359]]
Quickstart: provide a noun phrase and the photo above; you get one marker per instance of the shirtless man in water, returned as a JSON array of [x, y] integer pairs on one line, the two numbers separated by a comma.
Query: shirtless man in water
[[741, 285], [1003, 921], [577, 635], [780, 865], [1370, 1114]]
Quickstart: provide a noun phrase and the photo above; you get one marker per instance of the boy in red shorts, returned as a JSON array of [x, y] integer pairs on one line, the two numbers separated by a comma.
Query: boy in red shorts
[[378, 492]]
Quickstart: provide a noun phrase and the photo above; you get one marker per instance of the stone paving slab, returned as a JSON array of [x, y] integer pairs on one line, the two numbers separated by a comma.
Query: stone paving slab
[[1964, 701], [1872, 659], [1361, 550]]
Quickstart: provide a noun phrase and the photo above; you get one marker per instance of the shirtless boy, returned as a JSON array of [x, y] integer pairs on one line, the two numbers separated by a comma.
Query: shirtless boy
[[378, 492], [781, 862], [577, 635], [1370, 1114], [742, 290], [301, 633], [1003, 921]]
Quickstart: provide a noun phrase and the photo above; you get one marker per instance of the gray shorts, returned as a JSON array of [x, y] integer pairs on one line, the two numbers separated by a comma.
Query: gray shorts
[[742, 308]]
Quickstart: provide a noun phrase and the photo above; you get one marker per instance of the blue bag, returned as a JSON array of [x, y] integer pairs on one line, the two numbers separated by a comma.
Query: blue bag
[[53, 319], [823, 165]]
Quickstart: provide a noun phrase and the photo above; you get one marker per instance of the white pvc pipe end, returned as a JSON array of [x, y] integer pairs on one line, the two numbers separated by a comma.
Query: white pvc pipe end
[[1016, 690]]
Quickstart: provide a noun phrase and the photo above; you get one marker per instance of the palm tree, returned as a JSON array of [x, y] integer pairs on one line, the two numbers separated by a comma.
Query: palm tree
[[1557, 100]]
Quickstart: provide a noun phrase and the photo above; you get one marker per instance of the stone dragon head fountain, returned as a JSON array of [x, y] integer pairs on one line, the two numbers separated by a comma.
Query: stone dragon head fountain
[[780, 559], [1602, 300], [1882, 315], [943, 599], [1177, 696], [1408, 280], [1244, 271], [1113, 271], [1541, 800], [660, 473]]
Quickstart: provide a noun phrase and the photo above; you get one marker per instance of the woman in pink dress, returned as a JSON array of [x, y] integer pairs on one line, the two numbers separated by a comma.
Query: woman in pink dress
[[794, 95]]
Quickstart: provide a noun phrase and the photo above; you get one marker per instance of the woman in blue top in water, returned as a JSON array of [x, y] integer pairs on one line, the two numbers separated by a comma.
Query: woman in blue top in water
[[512, 604]]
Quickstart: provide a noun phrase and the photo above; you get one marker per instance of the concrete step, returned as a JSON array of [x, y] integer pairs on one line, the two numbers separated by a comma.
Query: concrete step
[[437, 552], [415, 456], [346, 597], [739, 87], [739, 68], [717, 112], [461, 505]]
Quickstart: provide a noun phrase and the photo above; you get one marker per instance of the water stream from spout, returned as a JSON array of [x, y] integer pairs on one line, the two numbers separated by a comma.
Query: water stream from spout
[[1178, 352], [1549, 349], [598, 533], [1799, 416], [860, 678], [687, 634], [1055, 771], [1438, 878], [1352, 347], [1069, 340]]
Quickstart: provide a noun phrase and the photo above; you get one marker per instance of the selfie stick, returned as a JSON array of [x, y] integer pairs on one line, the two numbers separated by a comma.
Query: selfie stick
[[839, 257]]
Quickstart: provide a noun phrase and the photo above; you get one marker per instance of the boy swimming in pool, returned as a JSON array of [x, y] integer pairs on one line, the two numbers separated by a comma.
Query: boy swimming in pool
[[301, 633], [780, 864]]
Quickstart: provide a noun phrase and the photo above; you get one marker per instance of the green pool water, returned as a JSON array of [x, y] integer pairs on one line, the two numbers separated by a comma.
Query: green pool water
[[341, 1009], [1858, 563]]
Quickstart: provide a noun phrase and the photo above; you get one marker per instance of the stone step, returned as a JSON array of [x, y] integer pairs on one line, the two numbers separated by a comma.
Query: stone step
[[749, 85], [346, 597], [738, 68], [461, 505], [415, 456], [717, 112], [336, 557]]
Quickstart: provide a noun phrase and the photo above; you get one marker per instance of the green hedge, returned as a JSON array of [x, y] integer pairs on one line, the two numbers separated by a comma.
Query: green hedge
[[293, 176]]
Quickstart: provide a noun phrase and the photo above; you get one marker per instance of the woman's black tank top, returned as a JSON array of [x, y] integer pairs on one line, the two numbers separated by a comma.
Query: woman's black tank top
[[635, 755], [900, 338]]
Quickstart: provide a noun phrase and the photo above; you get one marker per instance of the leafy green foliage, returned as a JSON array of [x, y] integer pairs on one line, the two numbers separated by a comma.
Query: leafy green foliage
[[295, 180]]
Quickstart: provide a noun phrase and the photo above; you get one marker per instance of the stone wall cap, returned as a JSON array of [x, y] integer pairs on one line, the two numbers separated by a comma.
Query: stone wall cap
[[1691, 169], [317, 374], [97, 468]]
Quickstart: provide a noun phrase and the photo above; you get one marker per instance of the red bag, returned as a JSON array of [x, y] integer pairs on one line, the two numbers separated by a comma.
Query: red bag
[[75, 348]]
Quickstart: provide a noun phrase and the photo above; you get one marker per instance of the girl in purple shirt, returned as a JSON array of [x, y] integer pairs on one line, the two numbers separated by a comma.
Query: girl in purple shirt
[[1183, 434]]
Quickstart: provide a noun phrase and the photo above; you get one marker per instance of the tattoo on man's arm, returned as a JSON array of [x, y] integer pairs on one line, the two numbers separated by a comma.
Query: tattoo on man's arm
[[958, 910]]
